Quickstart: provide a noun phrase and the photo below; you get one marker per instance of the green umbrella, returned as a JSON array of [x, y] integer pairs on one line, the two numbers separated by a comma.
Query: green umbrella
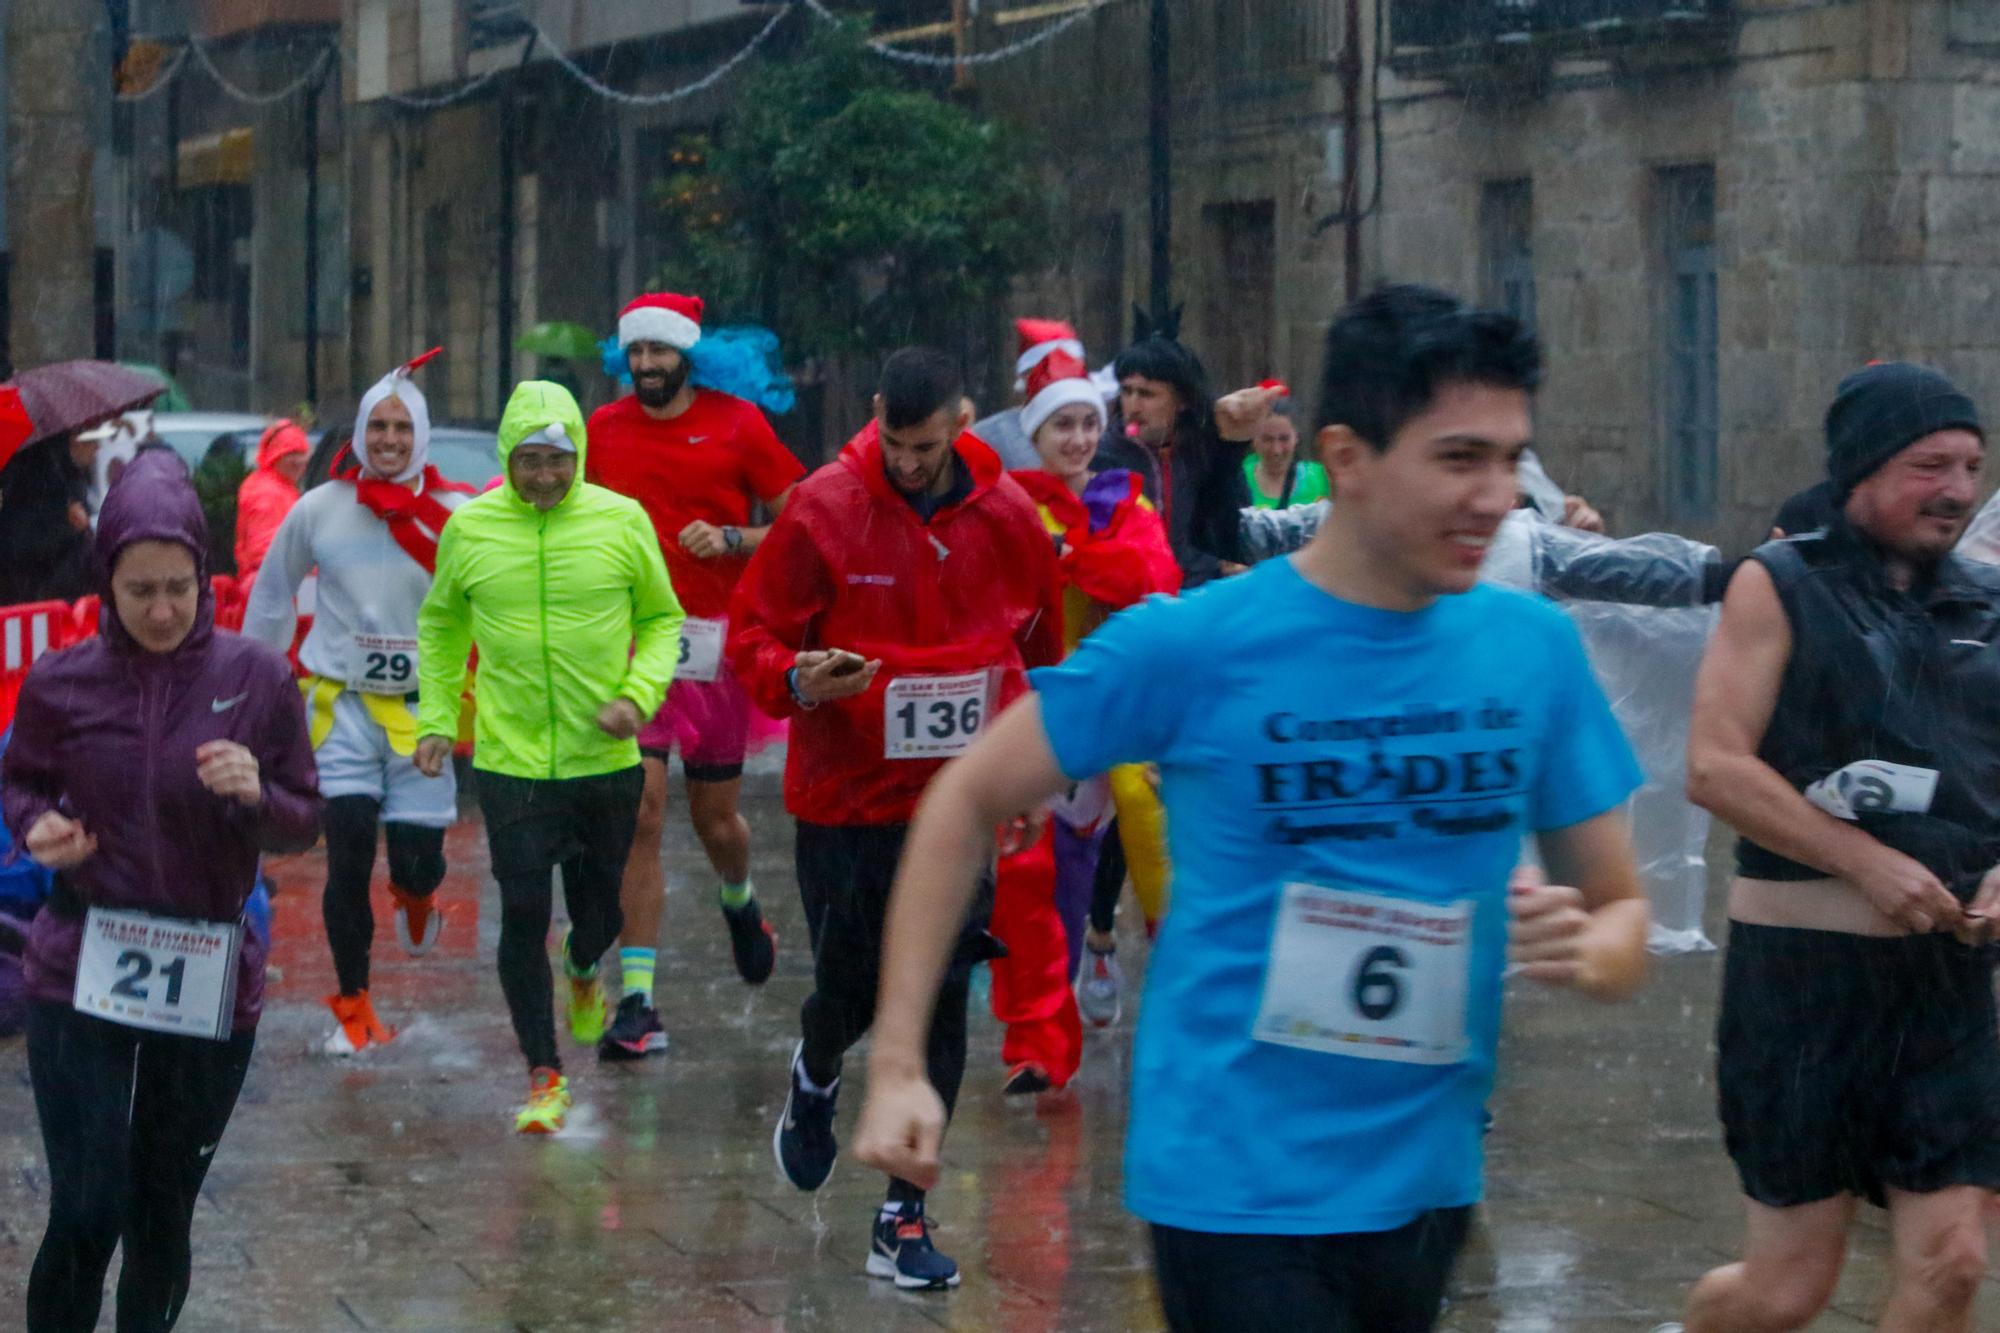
[[173, 400], [566, 342]]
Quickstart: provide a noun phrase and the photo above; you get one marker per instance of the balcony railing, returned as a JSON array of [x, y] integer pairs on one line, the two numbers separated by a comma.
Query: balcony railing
[[1475, 39]]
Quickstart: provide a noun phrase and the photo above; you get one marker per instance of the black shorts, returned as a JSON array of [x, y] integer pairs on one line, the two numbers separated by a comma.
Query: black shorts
[[694, 772], [1852, 1064], [1361, 1282]]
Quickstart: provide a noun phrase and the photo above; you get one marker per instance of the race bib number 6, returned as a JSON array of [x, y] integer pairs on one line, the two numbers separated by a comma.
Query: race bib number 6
[[1367, 976], [384, 664], [158, 973], [933, 717]]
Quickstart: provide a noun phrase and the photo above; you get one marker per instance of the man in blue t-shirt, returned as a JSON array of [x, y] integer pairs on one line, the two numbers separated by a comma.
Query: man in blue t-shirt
[[1352, 744]]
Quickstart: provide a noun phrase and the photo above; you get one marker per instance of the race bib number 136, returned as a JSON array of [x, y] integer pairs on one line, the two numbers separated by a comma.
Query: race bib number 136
[[933, 717]]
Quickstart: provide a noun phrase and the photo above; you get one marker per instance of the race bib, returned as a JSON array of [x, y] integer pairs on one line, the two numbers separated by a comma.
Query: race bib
[[158, 973], [383, 664], [933, 717], [701, 649], [1366, 976], [1874, 787]]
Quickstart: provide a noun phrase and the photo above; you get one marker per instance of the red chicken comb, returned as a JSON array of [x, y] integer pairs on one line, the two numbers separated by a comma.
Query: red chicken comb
[[417, 363]]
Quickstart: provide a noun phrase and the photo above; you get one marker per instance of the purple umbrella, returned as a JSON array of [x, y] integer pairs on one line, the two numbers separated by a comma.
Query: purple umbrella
[[76, 395]]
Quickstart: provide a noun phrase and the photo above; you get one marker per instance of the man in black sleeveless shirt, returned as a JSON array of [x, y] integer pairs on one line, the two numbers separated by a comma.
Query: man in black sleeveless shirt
[[1847, 724]]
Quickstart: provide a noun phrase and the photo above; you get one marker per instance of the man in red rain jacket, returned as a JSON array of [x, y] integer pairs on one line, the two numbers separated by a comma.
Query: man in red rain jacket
[[890, 612]]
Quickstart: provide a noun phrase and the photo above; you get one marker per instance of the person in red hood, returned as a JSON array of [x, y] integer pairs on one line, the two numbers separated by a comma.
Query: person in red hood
[[150, 766], [889, 612], [267, 495]]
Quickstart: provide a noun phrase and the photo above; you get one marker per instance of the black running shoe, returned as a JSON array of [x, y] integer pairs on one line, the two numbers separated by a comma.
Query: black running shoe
[[1027, 1079], [803, 1142], [635, 1032], [752, 941], [901, 1249]]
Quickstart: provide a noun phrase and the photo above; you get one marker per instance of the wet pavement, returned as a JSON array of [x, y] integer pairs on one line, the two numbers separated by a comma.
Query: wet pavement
[[390, 1192]]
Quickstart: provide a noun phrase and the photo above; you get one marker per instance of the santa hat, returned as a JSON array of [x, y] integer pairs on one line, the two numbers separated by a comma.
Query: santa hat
[[1059, 380], [1039, 339], [398, 385], [661, 317]]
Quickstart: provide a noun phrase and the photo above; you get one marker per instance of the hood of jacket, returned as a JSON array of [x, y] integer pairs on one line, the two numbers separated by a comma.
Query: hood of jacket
[[279, 439], [534, 406], [152, 501], [862, 455]]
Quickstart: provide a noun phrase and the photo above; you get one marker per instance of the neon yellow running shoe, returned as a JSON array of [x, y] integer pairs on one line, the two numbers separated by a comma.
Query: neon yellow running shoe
[[548, 1101], [588, 1012]]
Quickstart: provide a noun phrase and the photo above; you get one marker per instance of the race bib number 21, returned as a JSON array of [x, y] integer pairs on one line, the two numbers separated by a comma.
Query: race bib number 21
[[158, 973]]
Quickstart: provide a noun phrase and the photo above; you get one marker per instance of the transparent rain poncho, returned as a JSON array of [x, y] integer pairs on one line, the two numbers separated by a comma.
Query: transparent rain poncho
[[1982, 536]]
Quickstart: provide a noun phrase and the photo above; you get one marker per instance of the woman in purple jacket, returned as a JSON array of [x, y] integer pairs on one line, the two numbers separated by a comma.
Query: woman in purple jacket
[[149, 768]]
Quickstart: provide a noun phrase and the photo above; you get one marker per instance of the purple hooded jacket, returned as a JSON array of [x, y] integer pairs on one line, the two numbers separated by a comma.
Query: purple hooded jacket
[[106, 732]]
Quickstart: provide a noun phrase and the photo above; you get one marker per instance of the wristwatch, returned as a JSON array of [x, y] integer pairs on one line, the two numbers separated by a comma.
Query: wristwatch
[[732, 539]]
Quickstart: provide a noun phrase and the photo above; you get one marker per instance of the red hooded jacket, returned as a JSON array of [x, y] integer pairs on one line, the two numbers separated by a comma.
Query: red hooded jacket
[[264, 498], [849, 564]]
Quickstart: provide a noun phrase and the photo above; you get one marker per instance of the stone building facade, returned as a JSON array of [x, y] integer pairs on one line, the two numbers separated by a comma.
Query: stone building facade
[[1710, 209], [1256, 169], [1711, 218], [500, 194]]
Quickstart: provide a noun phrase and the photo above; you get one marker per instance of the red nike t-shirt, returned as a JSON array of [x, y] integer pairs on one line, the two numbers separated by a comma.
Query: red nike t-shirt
[[709, 463]]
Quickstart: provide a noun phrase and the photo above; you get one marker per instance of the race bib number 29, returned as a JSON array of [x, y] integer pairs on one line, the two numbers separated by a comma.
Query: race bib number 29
[[1368, 976], [933, 717], [384, 664], [158, 973]]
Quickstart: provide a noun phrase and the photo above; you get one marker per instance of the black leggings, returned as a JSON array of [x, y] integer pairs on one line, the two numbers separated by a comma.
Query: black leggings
[[585, 825], [416, 866], [130, 1121], [1110, 881], [1360, 1282], [845, 873]]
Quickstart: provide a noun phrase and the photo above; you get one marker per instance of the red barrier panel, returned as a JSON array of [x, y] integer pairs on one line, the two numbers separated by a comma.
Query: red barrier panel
[[26, 632]]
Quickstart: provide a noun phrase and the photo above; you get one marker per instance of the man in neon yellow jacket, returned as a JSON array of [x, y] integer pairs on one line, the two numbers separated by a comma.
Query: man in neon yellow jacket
[[560, 586]]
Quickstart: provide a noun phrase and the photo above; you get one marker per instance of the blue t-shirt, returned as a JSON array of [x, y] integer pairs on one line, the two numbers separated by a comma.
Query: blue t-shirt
[[1302, 738]]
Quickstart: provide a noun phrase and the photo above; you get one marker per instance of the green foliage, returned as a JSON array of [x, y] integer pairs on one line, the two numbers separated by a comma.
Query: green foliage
[[216, 481], [846, 210]]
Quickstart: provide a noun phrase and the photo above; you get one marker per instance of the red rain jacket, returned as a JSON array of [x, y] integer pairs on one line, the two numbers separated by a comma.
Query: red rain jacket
[[264, 498], [850, 565], [1115, 548]]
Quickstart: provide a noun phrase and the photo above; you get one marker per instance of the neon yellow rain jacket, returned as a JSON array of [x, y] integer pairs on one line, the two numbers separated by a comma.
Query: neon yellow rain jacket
[[569, 608]]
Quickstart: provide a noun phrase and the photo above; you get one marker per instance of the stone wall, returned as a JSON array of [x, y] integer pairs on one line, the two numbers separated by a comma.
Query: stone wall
[[50, 204], [1856, 149], [1255, 125]]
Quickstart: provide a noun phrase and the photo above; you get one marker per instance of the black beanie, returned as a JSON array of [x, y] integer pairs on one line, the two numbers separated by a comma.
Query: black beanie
[[1883, 409]]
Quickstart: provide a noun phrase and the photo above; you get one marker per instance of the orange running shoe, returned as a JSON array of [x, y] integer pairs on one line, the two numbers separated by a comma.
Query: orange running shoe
[[359, 1027], [418, 923]]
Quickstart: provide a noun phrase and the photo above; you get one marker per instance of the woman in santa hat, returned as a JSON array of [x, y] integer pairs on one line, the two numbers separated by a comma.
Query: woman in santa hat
[[1112, 552], [372, 532]]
